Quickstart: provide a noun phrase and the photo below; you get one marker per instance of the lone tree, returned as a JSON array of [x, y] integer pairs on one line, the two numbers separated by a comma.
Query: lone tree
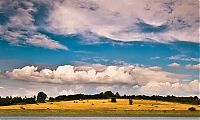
[[41, 97], [130, 102]]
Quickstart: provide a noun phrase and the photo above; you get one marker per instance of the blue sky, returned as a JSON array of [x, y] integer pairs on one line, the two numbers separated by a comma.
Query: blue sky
[[82, 34]]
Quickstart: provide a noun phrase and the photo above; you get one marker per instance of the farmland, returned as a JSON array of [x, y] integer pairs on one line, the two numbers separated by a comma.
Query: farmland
[[101, 108]]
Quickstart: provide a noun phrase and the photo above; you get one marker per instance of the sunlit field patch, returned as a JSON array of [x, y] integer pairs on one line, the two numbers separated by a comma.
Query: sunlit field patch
[[121, 104]]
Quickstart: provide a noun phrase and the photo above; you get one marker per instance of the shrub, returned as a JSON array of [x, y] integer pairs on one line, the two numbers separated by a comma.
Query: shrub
[[192, 109], [130, 102], [113, 100], [22, 108], [51, 99]]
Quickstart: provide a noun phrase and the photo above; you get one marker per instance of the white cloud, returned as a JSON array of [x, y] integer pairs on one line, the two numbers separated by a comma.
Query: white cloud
[[129, 74], [20, 27], [29, 89], [155, 68], [166, 88], [65, 92], [175, 65], [193, 67], [44, 41], [119, 62], [183, 58], [155, 58], [95, 78], [124, 20], [22, 20], [177, 20]]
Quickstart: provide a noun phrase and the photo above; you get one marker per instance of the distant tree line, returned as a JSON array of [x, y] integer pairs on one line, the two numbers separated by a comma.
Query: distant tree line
[[109, 95], [185, 100], [16, 100], [41, 98]]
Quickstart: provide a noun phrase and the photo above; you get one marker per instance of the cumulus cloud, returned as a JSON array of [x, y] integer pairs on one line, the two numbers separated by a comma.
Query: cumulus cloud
[[129, 74], [29, 89], [175, 65], [166, 88], [155, 68], [193, 67], [95, 78], [126, 20]]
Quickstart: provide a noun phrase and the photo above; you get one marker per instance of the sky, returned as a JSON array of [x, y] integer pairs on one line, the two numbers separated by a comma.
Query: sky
[[64, 47]]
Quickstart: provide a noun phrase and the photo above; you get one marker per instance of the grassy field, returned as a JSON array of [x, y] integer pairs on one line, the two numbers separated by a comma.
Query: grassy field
[[101, 108]]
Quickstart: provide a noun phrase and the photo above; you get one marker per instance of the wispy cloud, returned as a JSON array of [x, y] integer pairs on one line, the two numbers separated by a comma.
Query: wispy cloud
[[177, 20], [123, 20], [154, 58], [20, 27], [44, 41], [183, 58]]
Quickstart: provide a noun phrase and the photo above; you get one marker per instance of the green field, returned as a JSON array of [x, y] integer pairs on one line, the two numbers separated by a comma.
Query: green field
[[101, 108]]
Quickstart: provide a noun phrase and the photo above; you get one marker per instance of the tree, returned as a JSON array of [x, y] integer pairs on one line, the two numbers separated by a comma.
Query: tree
[[51, 99], [113, 100], [109, 94], [195, 97], [130, 102], [117, 95], [41, 97]]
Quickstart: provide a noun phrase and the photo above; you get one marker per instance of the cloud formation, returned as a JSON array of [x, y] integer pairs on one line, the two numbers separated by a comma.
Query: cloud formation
[[126, 20], [193, 67], [166, 88], [19, 26], [175, 65], [126, 79], [98, 74], [184, 58], [44, 41]]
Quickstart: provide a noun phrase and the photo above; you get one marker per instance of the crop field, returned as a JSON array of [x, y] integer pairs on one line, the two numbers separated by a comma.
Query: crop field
[[102, 107]]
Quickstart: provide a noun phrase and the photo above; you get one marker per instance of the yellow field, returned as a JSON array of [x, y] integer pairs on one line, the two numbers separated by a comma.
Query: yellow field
[[122, 104]]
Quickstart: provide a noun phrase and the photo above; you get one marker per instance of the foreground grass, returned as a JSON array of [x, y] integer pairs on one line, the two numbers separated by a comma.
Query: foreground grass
[[119, 113], [101, 108]]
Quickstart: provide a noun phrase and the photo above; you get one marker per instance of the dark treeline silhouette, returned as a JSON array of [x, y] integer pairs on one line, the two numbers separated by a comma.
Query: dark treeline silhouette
[[41, 98], [185, 100], [16, 100], [109, 95]]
